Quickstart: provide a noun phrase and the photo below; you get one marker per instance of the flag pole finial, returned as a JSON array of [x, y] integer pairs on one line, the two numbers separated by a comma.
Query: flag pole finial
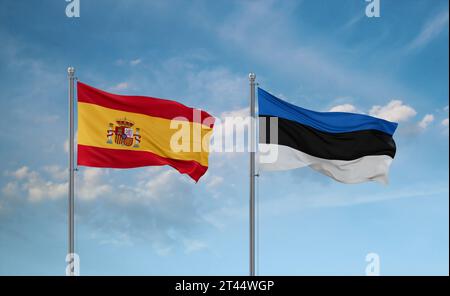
[[71, 71]]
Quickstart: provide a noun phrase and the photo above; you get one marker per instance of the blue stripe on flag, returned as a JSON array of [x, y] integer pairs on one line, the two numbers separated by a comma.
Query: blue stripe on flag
[[332, 122]]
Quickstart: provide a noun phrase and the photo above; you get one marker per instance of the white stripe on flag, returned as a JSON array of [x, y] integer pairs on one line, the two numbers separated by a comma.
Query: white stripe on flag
[[367, 168]]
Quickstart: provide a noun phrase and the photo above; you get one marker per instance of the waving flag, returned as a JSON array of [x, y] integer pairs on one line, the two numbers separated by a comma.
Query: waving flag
[[116, 131], [350, 148]]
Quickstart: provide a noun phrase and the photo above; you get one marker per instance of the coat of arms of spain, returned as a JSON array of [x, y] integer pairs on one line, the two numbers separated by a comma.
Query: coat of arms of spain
[[123, 133]]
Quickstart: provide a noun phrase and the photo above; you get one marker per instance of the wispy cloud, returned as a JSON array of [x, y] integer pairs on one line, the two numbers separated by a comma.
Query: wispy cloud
[[430, 30], [93, 184], [155, 205], [394, 111], [344, 108], [124, 62], [33, 185], [426, 121], [189, 78], [194, 245], [281, 47], [56, 172], [214, 181], [321, 200], [120, 86], [282, 205], [353, 21], [135, 62]]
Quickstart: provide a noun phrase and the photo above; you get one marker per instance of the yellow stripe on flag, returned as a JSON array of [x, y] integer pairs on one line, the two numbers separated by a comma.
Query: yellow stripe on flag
[[155, 133]]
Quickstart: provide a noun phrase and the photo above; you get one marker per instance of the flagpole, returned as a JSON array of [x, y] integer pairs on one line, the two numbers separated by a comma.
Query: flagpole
[[252, 78], [71, 212]]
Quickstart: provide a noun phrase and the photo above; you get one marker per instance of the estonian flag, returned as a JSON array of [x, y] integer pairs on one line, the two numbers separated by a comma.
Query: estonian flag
[[348, 147]]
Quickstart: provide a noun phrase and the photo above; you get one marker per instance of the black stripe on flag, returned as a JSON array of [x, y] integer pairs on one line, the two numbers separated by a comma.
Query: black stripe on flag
[[338, 146]]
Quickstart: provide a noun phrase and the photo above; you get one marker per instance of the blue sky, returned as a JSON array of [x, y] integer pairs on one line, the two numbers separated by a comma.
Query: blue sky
[[322, 55]]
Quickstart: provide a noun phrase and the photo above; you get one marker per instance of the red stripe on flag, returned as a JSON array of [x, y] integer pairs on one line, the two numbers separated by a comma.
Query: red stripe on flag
[[139, 104], [125, 159]]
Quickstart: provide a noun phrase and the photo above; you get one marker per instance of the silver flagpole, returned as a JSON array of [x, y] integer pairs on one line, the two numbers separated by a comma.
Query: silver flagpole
[[252, 78], [71, 73]]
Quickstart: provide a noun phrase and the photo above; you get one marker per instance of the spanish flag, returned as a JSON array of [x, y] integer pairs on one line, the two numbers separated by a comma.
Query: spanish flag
[[116, 131]]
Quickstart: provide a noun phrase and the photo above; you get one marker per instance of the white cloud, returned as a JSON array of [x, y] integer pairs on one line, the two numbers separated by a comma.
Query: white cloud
[[344, 108], [34, 185], [394, 111], [39, 190], [92, 184], [426, 120], [135, 62], [193, 245], [120, 86], [151, 187], [123, 62], [444, 122], [155, 204], [56, 172], [21, 172], [321, 200], [162, 249], [37, 187], [286, 204], [10, 189], [217, 85], [211, 88], [430, 30], [214, 181], [246, 31]]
